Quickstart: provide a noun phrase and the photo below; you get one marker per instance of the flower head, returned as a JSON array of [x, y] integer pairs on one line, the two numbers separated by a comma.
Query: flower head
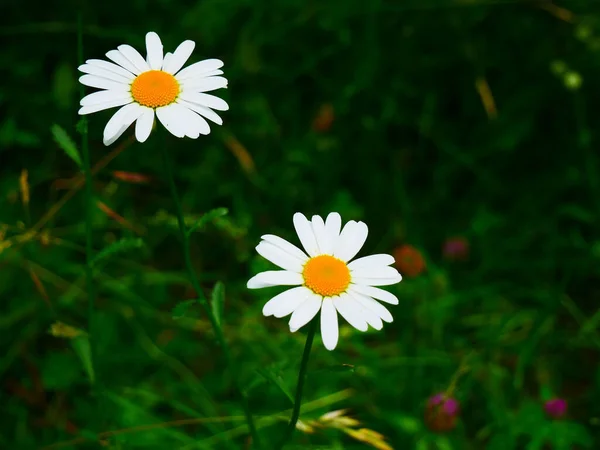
[[409, 260], [441, 412], [157, 84], [456, 248], [325, 279], [556, 408]]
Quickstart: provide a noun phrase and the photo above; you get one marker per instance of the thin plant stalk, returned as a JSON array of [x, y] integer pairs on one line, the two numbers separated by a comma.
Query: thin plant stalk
[[312, 328], [185, 241]]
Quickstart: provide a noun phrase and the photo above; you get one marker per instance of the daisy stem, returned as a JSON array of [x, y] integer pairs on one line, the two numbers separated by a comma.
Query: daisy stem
[[185, 238], [312, 328], [89, 201]]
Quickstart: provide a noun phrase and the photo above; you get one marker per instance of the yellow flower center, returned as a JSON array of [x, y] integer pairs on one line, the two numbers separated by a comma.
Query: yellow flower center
[[155, 88], [326, 275]]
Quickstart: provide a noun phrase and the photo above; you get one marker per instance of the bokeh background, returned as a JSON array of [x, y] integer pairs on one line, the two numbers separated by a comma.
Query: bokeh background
[[463, 132]]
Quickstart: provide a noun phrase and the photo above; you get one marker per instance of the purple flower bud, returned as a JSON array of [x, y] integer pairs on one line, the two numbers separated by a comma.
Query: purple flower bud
[[441, 412], [456, 248], [556, 407]]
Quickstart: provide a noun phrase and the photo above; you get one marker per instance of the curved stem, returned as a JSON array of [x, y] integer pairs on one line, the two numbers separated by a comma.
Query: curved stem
[[312, 328], [185, 238]]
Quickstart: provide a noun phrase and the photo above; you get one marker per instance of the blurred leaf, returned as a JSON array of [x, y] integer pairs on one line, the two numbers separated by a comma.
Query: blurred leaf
[[64, 85], [60, 370], [181, 308], [218, 302], [206, 218], [344, 368], [81, 345], [66, 143], [408, 424], [120, 246], [271, 377]]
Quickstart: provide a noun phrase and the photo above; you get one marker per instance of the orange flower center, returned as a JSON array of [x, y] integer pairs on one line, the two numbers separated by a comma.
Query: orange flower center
[[155, 88], [326, 275]]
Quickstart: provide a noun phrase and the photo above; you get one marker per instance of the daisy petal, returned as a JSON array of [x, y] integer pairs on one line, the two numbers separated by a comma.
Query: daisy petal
[[154, 48], [275, 278], [100, 72], [375, 272], [192, 123], [207, 100], [202, 110], [329, 324], [370, 317], [376, 293], [365, 262], [212, 73], [379, 281], [333, 224], [305, 312], [204, 84], [305, 234], [318, 227], [100, 97], [102, 106], [166, 59], [111, 67], [279, 257], [285, 246], [286, 303], [180, 56], [120, 121], [171, 121], [101, 83], [119, 58], [352, 238], [134, 57], [199, 68], [350, 310], [373, 305], [143, 126]]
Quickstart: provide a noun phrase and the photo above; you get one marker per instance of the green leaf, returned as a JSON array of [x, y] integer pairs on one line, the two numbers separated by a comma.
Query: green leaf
[[81, 345], [271, 377], [120, 246], [181, 308], [65, 142], [218, 302], [336, 368], [206, 218]]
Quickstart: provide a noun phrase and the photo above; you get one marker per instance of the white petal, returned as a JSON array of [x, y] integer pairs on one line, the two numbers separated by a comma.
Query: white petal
[[305, 234], [377, 293], [120, 121], [275, 278], [167, 58], [103, 73], [170, 120], [192, 124], [102, 106], [102, 83], [119, 58], [318, 226], [211, 73], [199, 68], [380, 260], [380, 281], [279, 257], [111, 67], [329, 324], [202, 110], [154, 48], [204, 84], [105, 96], [143, 126], [333, 224], [350, 310], [207, 100], [180, 56], [351, 240], [286, 303], [286, 246], [375, 272], [370, 317], [372, 305], [305, 312], [134, 57]]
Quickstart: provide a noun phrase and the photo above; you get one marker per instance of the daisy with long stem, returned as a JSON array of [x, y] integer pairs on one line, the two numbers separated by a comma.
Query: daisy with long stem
[[327, 281], [158, 86]]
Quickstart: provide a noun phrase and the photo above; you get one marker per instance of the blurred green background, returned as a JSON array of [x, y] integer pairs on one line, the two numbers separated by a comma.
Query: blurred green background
[[430, 120]]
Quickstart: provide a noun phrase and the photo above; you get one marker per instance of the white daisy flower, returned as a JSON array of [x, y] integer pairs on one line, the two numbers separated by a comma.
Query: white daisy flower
[[326, 281], [156, 84]]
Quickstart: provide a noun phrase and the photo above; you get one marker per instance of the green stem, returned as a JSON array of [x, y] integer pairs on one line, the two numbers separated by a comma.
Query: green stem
[[312, 328], [89, 275], [185, 238]]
